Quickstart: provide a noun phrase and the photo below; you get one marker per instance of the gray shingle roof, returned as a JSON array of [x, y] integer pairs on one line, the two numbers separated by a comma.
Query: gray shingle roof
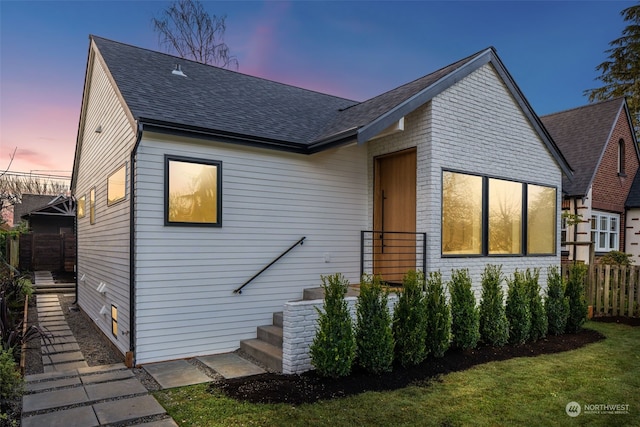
[[236, 104], [582, 134], [633, 198]]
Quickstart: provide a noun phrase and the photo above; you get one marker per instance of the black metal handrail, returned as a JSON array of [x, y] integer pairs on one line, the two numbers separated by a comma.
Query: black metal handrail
[[391, 254], [299, 242]]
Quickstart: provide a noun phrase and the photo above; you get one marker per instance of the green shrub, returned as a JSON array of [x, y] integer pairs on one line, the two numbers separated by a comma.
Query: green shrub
[[10, 380], [438, 316], [517, 309], [617, 258], [409, 321], [465, 320], [494, 327], [539, 323], [575, 295], [556, 304], [334, 346], [374, 337]]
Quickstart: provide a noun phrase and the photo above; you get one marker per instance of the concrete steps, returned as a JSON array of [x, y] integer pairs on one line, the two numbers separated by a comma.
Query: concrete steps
[[267, 347], [44, 284]]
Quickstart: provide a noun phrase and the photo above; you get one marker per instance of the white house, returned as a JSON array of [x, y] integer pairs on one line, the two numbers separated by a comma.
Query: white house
[[195, 178]]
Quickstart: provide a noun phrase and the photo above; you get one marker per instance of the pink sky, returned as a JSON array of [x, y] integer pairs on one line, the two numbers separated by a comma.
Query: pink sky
[[351, 49]]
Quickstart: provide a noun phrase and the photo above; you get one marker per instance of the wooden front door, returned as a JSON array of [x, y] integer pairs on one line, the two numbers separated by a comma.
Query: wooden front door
[[394, 216]]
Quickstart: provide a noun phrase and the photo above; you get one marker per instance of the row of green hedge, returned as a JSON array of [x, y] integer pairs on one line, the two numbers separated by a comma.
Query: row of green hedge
[[424, 323]]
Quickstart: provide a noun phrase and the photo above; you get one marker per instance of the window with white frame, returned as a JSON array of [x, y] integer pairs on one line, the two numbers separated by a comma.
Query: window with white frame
[[605, 231]]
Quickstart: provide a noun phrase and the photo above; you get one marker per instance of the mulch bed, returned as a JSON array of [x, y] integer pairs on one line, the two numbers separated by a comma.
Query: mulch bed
[[630, 321], [310, 387]]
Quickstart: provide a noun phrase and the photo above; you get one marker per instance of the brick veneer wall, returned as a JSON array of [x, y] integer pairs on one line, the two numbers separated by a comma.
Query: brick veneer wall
[[610, 190], [299, 325]]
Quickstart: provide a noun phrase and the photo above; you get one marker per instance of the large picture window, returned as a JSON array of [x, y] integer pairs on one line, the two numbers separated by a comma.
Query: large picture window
[[193, 192], [491, 216], [116, 186], [605, 229]]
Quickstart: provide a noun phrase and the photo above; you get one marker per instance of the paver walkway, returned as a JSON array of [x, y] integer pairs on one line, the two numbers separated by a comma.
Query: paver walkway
[[71, 393]]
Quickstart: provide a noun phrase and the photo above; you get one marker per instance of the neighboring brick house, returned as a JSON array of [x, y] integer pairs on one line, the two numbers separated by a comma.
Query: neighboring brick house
[[599, 143]]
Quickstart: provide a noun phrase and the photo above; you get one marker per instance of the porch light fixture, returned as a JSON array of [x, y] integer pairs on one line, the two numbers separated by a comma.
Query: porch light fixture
[[103, 310], [99, 129]]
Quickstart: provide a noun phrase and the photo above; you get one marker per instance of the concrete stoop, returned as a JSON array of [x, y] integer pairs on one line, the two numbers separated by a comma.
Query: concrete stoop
[[267, 347], [44, 284], [90, 396]]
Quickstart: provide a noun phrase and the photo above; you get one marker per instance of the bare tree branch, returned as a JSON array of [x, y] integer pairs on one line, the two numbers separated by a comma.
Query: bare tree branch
[[186, 29]]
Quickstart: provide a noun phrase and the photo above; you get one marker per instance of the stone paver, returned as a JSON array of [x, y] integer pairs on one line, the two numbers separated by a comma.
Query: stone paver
[[57, 358], [53, 399], [59, 348], [167, 422], [83, 416], [120, 388], [58, 340], [176, 373], [101, 368], [44, 385], [107, 376], [230, 365], [127, 409], [65, 366]]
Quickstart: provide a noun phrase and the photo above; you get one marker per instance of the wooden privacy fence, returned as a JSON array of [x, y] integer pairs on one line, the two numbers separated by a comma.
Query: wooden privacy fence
[[54, 252], [614, 290]]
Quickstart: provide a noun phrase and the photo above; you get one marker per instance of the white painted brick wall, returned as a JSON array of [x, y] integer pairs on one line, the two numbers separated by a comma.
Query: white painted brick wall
[[299, 326], [474, 126]]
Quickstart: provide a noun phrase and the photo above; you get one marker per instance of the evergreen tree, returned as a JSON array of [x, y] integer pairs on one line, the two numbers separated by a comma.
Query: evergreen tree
[[465, 320], [374, 337], [334, 346], [409, 321], [438, 320], [494, 327], [517, 309], [621, 70], [556, 304], [575, 295], [539, 324]]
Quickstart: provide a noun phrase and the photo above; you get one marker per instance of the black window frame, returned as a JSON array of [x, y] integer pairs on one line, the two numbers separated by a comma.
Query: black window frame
[[199, 161], [485, 218], [621, 158]]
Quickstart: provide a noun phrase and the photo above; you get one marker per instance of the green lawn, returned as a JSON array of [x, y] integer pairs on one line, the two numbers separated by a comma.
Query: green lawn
[[522, 391]]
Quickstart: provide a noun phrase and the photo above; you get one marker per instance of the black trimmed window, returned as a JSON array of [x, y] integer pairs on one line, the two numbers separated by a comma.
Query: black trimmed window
[[81, 206], [484, 215], [193, 192], [92, 206], [117, 185], [621, 160]]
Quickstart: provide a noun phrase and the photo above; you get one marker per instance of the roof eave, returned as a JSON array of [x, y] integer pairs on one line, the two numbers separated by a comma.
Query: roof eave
[[370, 130]]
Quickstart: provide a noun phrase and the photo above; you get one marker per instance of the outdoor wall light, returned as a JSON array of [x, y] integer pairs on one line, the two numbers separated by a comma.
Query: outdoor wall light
[[104, 310], [99, 129], [102, 288]]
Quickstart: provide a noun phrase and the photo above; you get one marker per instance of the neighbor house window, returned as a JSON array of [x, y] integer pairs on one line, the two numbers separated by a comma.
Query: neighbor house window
[[541, 220], [193, 192], [92, 206], [491, 216], [563, 229], [116, 186], [621, 157], [80, 207], [461, 214], [605, 231]]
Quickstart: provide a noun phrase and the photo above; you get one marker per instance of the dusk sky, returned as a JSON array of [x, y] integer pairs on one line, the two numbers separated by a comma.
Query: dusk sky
[[352, 49]]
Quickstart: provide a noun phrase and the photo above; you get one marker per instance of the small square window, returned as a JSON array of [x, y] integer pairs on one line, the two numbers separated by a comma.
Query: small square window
[[92, 206], [193, 192]]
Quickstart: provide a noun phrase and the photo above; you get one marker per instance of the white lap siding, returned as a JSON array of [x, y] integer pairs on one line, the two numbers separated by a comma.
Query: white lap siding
[[103, 247], [185, 276]]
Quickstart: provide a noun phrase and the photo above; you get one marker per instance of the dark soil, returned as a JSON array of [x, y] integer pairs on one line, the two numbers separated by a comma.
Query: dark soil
[[630, 321], [63, 276], [310, 387]]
